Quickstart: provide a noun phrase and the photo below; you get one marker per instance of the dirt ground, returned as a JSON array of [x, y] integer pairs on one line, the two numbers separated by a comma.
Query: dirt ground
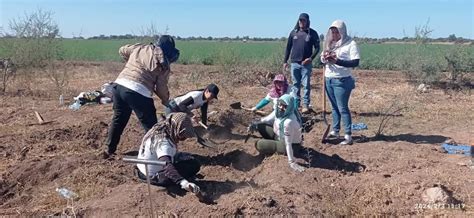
[[377, 175]]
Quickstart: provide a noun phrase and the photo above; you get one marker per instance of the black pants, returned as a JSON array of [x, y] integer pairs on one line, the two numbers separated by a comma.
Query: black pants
[[186, 168], [126, 100], [266, 130]]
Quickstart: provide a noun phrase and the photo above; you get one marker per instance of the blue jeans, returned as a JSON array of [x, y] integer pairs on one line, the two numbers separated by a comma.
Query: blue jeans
[[301, 75], [339, 91]]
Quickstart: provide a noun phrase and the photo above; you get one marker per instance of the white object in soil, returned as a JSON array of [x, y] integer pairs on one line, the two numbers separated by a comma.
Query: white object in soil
[[435, 195]]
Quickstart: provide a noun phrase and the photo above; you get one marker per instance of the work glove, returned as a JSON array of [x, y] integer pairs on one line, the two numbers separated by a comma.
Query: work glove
[[189, 186], [252, 127], [296, 167]]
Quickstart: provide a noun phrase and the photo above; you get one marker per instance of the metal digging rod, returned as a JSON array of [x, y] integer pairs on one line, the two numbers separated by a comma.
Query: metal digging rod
[[129, 159]]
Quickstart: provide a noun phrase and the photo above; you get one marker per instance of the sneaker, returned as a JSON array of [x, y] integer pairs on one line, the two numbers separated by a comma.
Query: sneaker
[[333, 134], [347, 140]]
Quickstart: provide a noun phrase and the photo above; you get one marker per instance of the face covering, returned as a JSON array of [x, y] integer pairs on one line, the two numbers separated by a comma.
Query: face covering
[[167, 45]]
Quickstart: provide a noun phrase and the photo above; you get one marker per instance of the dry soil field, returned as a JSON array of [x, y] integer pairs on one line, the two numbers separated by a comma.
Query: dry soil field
[[381, 176]]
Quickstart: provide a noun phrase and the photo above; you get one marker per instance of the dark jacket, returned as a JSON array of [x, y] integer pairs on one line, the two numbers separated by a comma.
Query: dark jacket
[[300, 45]]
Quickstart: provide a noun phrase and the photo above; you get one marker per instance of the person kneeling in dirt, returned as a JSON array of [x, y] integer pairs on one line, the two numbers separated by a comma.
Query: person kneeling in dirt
[[161, 143], [280, 87], [192, 100], [286, 131]]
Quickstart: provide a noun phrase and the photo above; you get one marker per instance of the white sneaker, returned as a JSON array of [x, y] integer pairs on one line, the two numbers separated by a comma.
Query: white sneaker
[[333, 134], [347, 140]]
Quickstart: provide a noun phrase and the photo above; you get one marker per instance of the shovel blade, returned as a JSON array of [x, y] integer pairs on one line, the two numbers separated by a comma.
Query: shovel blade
[[205, 143], [326, 131], [247, 137], [325, 134], [236, 105]]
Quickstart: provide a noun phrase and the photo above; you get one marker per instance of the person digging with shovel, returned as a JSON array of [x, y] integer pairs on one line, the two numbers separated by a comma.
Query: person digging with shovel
[[146, 71], [280, 87], [286, 131], [161, 143], [193, 100]]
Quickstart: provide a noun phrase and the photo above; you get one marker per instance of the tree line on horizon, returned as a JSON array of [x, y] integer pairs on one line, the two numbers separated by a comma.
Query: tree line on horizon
[[451, 38]]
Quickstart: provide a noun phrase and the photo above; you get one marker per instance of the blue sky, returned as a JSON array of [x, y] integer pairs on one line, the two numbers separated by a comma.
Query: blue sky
[[259, 18]]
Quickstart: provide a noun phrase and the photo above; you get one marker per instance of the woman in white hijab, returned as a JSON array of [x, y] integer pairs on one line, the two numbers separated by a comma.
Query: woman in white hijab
[[340, 54]]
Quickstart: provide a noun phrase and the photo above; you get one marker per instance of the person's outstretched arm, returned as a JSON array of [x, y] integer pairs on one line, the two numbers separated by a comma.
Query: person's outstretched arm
[[262, 103], [204, 108], [126, 50]]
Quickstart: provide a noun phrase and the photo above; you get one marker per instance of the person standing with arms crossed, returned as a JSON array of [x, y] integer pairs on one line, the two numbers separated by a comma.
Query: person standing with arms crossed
[[299, 50], [146, 71]]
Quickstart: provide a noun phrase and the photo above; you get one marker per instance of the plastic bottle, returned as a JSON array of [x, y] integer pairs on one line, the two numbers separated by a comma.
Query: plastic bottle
[[66, 193], [75, 106]]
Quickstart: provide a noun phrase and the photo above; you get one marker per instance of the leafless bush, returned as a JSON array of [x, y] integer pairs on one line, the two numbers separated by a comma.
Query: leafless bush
[[8, 70], [450, 72], [59, 75], [460, 63], [150, 33], [36, 47], [388, 113], [36, 40], [419, 67]]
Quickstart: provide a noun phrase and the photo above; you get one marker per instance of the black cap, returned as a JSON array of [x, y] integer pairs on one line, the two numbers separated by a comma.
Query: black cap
[[304, 16], [213, 89], [167, 45]]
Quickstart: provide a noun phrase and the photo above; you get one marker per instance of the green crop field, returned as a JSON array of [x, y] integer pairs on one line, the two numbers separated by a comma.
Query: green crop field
[[192, 52], [373, 56]]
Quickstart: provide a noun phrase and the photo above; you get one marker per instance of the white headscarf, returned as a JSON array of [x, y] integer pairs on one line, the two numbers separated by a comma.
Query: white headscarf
[[329, 45]]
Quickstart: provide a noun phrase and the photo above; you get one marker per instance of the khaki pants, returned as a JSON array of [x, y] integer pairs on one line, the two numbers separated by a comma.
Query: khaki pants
[[270, 144]]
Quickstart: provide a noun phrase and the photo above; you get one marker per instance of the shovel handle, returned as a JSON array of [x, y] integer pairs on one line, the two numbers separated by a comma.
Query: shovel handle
[[324, 89], [203, 125], [259, 112]]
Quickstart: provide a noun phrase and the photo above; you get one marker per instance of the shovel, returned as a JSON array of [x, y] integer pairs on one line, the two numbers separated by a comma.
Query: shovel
[[328, 126], [238, 105], [205, 142]]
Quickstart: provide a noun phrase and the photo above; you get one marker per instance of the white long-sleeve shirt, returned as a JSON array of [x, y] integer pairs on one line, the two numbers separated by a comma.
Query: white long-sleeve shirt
[[292, 131], [292, 134], [152, 149], [347, 52], [197, 99]]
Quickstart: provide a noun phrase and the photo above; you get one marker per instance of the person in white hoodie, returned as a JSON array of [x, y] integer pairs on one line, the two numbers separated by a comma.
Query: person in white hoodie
[[340, 55], [286, 131]]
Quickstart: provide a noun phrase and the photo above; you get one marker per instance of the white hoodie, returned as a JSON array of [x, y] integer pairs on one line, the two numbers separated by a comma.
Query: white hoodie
[[345, 49]]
